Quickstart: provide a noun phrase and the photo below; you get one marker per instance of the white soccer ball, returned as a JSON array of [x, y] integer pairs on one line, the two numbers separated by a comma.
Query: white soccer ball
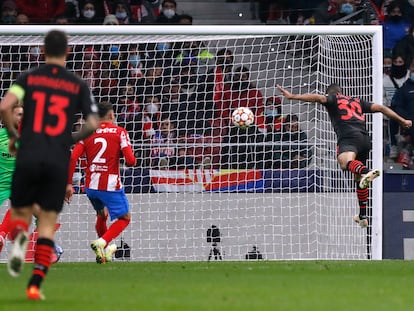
[[242, 117]]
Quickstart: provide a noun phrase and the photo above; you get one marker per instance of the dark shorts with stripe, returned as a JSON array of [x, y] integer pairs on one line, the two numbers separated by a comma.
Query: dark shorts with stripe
[[360, 144], [42, 183]]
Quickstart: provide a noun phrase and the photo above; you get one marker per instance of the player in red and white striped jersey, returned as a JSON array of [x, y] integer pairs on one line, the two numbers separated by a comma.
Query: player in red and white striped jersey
[[103, 186]]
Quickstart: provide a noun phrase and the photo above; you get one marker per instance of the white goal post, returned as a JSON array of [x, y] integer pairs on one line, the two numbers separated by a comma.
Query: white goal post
[[249, 188]]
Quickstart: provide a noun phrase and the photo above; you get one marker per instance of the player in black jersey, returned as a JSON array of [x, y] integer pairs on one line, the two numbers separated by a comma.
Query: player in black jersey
[[51, 96], [353, 142]]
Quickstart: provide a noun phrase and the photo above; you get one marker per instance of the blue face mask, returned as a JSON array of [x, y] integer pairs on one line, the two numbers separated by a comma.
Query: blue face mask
[[271, 112], [347, 8], [412, 76], [163, 46], [121, 15], [134, 60]]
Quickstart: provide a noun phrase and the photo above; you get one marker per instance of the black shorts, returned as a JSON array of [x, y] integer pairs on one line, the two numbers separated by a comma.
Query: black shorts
[[42, 183], [360, 144]]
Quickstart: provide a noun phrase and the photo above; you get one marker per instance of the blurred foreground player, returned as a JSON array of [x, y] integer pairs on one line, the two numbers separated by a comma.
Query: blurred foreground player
[[51, 96]]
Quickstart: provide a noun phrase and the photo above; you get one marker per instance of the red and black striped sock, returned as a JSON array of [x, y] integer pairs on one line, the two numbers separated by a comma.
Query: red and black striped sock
[[115, 229], [357, 167], [100, 225], [42, 260], [362, 195]]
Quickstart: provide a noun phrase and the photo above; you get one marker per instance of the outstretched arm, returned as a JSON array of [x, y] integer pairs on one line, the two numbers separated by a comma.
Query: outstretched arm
[[406, 124], [309, 97]]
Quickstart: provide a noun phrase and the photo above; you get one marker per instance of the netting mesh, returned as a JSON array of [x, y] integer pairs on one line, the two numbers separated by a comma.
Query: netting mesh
[[275, 185]]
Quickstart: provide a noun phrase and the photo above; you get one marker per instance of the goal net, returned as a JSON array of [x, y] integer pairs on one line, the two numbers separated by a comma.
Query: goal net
[[204, 189]]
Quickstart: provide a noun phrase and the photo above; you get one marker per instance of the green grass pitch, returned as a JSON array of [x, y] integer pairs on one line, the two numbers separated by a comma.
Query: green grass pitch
[[197, 286]]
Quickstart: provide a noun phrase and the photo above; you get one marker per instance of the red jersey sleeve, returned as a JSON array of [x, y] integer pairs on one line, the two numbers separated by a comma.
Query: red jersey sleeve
[[77, 151], [126, 149]]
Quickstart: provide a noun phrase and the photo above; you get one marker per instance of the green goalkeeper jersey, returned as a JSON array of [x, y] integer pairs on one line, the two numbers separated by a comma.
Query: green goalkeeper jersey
[[7, 162]]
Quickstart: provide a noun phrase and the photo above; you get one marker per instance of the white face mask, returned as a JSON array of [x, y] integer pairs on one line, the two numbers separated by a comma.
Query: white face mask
[[411, 2], [151, 108], [89, 13], [169, 13]]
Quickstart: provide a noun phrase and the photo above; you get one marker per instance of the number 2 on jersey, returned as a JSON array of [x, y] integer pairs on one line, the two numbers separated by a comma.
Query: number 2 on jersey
[[56, 107]]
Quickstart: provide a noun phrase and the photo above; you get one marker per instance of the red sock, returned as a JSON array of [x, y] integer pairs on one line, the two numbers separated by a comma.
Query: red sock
[[100, 225], [4, 226], [357, 167], [43, 260], [17, 226], [362, 195], [115, 229]]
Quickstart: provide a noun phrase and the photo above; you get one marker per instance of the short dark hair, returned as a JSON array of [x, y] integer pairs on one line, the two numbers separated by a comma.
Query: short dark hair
[[170, 1], [104, 108], [56, 43], [333, 89]]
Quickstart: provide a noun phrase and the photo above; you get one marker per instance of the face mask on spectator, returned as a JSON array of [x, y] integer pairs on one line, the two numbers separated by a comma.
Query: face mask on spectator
[[134, 60], [169, 13], [151, 108], [5, 69], [411, 2], [89, 13], [163, 46], [398, 71], [347, 8], [412, 76], [121, 15], [271, 112]]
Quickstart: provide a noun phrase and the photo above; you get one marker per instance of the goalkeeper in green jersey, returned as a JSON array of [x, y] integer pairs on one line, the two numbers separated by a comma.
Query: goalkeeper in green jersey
[[7, 164]]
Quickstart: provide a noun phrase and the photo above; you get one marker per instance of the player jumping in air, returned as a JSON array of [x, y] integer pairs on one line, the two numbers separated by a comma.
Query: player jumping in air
[[51, 96], [353, 142], [103, 184]]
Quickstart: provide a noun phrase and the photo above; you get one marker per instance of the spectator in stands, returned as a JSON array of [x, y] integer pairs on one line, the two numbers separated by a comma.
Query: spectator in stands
[[22, 19], [408, 10], [333, 11], [395, 27], [296, 154], [185, 19], [88, 67], [244, 92], [144, 11], [164, 144], [195, 53], [405, 47], [270, 119], [151, 115], [41, 11], [134, 66], [396, 77], [110, 20], [168, 13], [88, 14], [152, 81], [242, 148], [392, 81], [8, 12], [129, 111], [403, 104], [123, 13]]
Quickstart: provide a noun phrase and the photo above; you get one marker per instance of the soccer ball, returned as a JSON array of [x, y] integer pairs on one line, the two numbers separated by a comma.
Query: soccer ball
[[242, 117]]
